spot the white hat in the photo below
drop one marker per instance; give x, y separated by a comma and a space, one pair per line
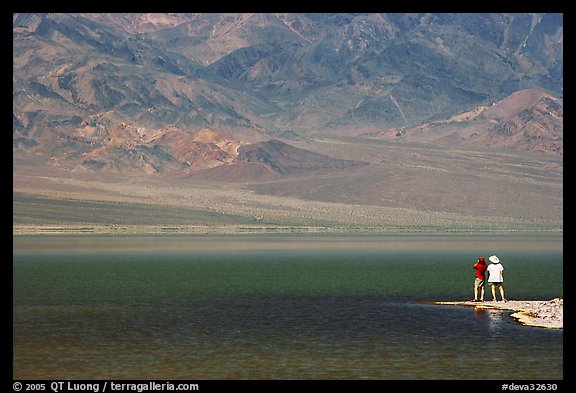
494, 259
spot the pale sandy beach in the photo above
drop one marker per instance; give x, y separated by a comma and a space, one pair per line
539, 313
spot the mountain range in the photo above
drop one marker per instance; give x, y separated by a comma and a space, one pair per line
83, 83
342, 108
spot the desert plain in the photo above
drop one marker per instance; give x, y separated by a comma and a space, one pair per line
405, 187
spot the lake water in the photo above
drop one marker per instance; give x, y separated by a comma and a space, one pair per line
277, 307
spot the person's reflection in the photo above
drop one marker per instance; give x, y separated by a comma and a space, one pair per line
495, 318
480, 313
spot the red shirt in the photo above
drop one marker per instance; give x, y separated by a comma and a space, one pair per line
481, 270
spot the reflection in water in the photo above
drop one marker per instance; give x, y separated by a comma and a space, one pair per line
480, 313
279, 242
494, 318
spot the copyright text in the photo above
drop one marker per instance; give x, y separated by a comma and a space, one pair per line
103, 386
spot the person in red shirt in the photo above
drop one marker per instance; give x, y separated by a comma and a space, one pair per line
480, 268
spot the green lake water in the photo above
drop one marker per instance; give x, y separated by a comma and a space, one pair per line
280, 307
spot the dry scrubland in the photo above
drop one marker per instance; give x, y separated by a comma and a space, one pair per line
406, 188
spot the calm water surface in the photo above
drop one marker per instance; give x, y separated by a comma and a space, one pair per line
278, 307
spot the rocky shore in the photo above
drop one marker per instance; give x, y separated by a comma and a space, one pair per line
539, 313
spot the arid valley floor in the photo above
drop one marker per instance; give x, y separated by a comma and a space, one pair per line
404, 188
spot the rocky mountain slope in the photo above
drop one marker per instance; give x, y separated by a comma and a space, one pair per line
527, 120
250, 75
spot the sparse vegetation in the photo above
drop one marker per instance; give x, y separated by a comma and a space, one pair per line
403, 189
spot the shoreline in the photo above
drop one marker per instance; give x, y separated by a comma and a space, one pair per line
537, 313
91, 229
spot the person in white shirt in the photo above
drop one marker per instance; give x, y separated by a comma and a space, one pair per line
496, 277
